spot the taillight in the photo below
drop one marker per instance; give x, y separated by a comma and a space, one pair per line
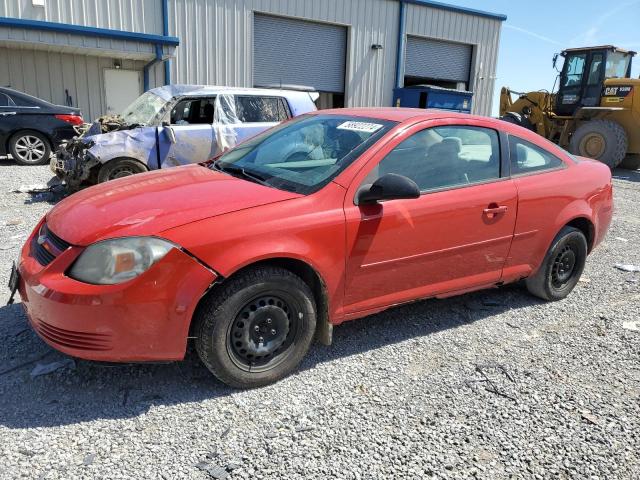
72, 119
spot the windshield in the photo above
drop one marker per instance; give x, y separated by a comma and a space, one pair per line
617, 65
306, 153
144, 109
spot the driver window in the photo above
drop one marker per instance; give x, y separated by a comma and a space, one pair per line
443, 157
193, 111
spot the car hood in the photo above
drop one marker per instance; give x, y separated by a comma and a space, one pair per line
149, 203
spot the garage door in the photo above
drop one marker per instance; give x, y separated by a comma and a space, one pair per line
437, 60
296, 52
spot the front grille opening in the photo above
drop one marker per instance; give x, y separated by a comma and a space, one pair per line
46, 246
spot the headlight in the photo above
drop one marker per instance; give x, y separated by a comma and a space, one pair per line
116, 261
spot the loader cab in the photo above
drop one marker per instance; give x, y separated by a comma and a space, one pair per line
583, 74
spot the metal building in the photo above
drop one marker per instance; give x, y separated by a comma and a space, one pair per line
100, 54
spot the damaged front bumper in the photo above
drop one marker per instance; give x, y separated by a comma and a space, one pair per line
73, 163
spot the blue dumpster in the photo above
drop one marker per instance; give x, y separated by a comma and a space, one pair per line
428, 96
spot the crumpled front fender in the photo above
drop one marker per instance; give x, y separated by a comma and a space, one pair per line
138, 143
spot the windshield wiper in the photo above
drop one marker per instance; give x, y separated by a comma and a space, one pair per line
231, 169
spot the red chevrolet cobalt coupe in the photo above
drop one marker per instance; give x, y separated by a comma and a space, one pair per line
329, 217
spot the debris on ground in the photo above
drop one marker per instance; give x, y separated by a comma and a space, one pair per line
589, 417
13, 221
215, 471
627, 267
633, 325
621, 239
47, 368
36, 188
88, 459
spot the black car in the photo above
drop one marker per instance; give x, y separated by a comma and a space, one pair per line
31, 127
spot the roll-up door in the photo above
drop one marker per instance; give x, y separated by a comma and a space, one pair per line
298, 52
438, 60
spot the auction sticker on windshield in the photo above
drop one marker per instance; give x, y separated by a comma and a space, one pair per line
359, 126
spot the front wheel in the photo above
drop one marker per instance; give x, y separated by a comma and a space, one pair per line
562, 266
119, 168
257, 328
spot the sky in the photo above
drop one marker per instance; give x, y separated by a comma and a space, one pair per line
534, 31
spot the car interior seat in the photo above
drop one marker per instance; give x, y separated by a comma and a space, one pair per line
445, 167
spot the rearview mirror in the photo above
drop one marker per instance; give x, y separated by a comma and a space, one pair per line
555, 60
389, 186
171, 135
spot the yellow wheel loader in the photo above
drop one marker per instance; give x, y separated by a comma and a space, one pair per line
593, 113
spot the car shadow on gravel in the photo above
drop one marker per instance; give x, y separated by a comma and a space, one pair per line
627, 175
97, 391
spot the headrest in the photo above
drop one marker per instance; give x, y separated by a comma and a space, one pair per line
454, 141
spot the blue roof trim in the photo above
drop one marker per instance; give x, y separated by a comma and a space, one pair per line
455, 8
90, 31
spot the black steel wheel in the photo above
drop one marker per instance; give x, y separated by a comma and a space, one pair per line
263, 331
256, 327
561, 267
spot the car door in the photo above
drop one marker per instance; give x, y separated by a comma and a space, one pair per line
455, 236
191, 126
257, 113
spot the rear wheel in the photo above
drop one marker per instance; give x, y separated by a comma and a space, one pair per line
29, 148
257, 328
561, 267
603, 140
119, 168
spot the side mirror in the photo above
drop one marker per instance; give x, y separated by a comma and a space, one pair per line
171, 135
555, 60
390, 186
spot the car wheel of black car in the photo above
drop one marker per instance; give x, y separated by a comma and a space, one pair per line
29, 148
256, 328
562, 266
118, 168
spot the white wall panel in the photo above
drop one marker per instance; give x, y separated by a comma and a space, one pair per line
142, 16
216, 41
49, 75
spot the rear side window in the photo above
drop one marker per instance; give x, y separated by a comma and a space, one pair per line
6, 101
528, 158
444, 157
254, 109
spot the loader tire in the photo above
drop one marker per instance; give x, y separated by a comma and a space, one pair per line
603, 140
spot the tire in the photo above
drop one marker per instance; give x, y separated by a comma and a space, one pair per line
29, 147
603, 140
631, 162
119, 168
264, 302
562, 266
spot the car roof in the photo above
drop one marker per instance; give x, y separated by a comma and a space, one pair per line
399, 114
169, 91
18, 94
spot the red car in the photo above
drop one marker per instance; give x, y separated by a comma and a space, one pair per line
255, 254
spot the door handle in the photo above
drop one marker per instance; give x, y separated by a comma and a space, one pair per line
494, 209
4, 114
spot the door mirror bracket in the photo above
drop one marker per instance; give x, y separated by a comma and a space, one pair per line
389, 186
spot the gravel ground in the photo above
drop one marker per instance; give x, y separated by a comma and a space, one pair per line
491, 385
